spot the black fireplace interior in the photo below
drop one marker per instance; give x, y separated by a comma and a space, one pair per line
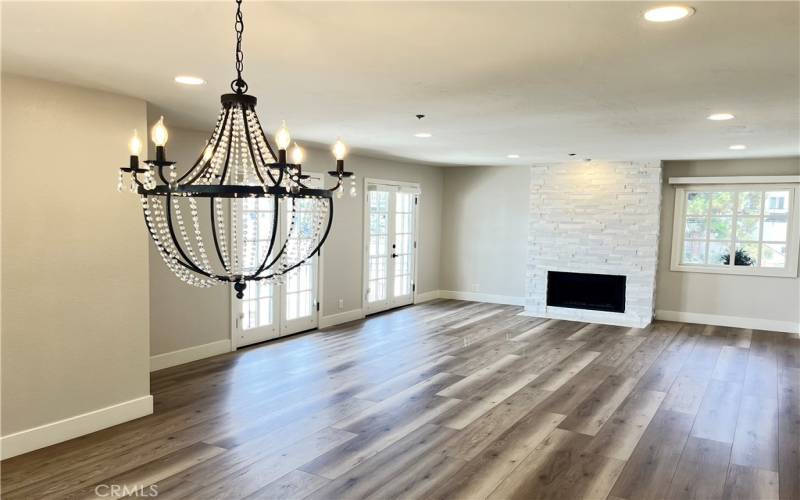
598, 292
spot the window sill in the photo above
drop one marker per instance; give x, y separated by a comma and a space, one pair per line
736, 270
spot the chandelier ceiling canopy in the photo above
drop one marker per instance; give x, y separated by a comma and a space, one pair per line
193, 219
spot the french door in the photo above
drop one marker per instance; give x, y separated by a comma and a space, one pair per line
390, 245
269, 311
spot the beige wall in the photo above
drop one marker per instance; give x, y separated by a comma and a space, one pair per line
758, 297
183, 316
74, 269
485, 230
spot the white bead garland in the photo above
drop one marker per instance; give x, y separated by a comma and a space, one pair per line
238, 145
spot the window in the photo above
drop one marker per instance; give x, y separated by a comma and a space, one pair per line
736, 229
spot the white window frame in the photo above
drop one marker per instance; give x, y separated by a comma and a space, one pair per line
792, 237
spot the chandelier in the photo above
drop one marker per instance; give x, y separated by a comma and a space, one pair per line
193, 219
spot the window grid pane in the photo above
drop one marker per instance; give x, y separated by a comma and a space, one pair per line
750, 225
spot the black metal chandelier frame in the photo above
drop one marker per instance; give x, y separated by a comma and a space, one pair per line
219, 174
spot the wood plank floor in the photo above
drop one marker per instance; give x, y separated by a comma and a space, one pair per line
456, 400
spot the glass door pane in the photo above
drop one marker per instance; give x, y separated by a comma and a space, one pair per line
378, 247
403, 246
299, 290
256, 311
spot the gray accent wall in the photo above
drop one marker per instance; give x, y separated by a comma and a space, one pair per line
75, 333
754, 297
485, 230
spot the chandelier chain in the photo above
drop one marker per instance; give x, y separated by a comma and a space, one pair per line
239, 85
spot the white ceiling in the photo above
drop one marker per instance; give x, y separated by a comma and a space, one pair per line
540, 79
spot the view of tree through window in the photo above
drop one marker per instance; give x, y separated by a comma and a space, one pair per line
752, 225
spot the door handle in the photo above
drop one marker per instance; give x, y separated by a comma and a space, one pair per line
394, 255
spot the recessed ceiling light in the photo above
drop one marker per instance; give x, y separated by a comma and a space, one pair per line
423, 135
738, 147
189, 80
720, 117
668, 13
512, 156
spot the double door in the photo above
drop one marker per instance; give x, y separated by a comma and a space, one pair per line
390, 245
268, 311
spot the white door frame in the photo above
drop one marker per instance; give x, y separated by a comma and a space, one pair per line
233, 302
365, 230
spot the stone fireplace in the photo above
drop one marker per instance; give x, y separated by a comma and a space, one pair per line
593, 241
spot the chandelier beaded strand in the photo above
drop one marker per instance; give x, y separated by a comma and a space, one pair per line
207, 247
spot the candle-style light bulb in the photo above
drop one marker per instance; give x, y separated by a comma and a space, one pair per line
297, 154
159, 133
282, 137
339, 150
135, 144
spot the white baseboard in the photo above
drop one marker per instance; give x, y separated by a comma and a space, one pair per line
181, 356
483, 297
339, 318
734, 321
419, 298
72, 427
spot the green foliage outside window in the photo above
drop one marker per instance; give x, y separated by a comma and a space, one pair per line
741, 258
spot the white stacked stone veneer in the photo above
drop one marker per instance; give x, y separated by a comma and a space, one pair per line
600, 218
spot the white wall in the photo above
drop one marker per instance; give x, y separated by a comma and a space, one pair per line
768, 300
184, 317
75, 331
485, 230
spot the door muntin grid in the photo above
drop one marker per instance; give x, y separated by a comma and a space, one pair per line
299, 292
403, 246
378, 254
258, 302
